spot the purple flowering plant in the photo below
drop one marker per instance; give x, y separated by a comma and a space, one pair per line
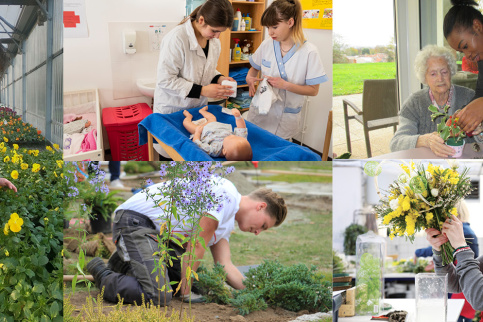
185, 197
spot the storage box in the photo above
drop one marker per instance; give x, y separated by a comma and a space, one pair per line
122, 130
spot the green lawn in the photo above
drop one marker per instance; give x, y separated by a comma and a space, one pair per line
348, 78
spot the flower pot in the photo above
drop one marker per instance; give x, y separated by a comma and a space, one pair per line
100, 225
457, 146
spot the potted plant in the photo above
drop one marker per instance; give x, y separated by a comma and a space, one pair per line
101, 205
449, 130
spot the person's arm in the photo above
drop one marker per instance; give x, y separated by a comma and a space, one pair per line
307, 90
6, 183
208, 228
252, 78
221, 254
240, 122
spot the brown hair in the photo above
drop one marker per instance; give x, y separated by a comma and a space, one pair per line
283, 10
217, 13
276, 207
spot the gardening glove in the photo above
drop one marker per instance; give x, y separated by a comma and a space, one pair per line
195, 298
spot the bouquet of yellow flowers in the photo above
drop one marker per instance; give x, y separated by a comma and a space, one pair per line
422, 197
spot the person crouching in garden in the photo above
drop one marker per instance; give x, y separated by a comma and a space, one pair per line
131, 269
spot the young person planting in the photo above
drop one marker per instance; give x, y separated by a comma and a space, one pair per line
140, 222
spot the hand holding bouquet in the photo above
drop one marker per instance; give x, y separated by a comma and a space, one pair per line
422, 197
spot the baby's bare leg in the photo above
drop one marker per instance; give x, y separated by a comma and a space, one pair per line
207, 115
188, 122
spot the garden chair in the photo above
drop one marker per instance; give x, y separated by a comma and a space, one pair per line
328, 136
379, 109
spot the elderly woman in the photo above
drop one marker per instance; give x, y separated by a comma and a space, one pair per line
434, 67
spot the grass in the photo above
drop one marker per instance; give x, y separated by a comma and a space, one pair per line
348, 78
291, 178
308, 243
286, 165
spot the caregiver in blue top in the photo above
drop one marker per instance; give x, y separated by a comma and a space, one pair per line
188, 57
291, 65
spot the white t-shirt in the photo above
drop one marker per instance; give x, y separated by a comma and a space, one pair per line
226, 216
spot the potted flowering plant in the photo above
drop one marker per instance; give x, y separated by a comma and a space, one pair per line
449, 130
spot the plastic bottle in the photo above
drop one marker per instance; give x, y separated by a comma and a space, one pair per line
236, 50
235, 24
242, 24
239, 17
248, 22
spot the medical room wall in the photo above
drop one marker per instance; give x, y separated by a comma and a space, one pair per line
88, 62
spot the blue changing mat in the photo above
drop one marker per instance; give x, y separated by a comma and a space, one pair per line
265, 145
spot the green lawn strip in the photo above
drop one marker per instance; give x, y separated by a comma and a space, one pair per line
349, 78
292, 178
286, 165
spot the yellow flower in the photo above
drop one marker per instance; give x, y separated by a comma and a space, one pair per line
15, 159
35, 167
5, 139
46, 219
7, 253
406, 205
60, 163
1, 265
429, 217
62, 252
48, 148
56, 146
453, 212
14, 174
6, 229
15, 146
2, 145
15, 222
6, 159
24, 166
4, 149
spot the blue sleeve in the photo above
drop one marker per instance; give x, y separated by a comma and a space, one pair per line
424, 252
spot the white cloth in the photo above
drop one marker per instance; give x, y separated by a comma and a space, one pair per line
226, 217
181, 64
301, 67
264, 98
214, 133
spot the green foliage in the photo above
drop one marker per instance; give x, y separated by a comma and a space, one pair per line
211, 284
447, 127
138, 167
31, 259
350, 237
368, 292
338, 264
101, 203
349, 78
293, 288
247, 301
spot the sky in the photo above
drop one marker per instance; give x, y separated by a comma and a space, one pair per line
365, 23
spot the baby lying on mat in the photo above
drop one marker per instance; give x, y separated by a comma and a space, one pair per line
217, 139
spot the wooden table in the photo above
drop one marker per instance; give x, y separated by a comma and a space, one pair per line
454, 309
427, 154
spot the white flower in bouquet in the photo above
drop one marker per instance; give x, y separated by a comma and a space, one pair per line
454, 164
428, 175
434, 192
403, 178
394, 204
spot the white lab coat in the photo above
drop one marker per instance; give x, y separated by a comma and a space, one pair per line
183, 63
301, 67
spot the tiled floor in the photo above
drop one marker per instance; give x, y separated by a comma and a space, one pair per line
379, 138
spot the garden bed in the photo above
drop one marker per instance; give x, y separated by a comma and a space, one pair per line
291, 243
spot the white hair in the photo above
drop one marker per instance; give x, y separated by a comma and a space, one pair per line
421, 61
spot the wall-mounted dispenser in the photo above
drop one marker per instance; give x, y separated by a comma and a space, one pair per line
129, 41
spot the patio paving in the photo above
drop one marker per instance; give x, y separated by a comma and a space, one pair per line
379, 138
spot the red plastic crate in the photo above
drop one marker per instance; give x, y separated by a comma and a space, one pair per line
122, 130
